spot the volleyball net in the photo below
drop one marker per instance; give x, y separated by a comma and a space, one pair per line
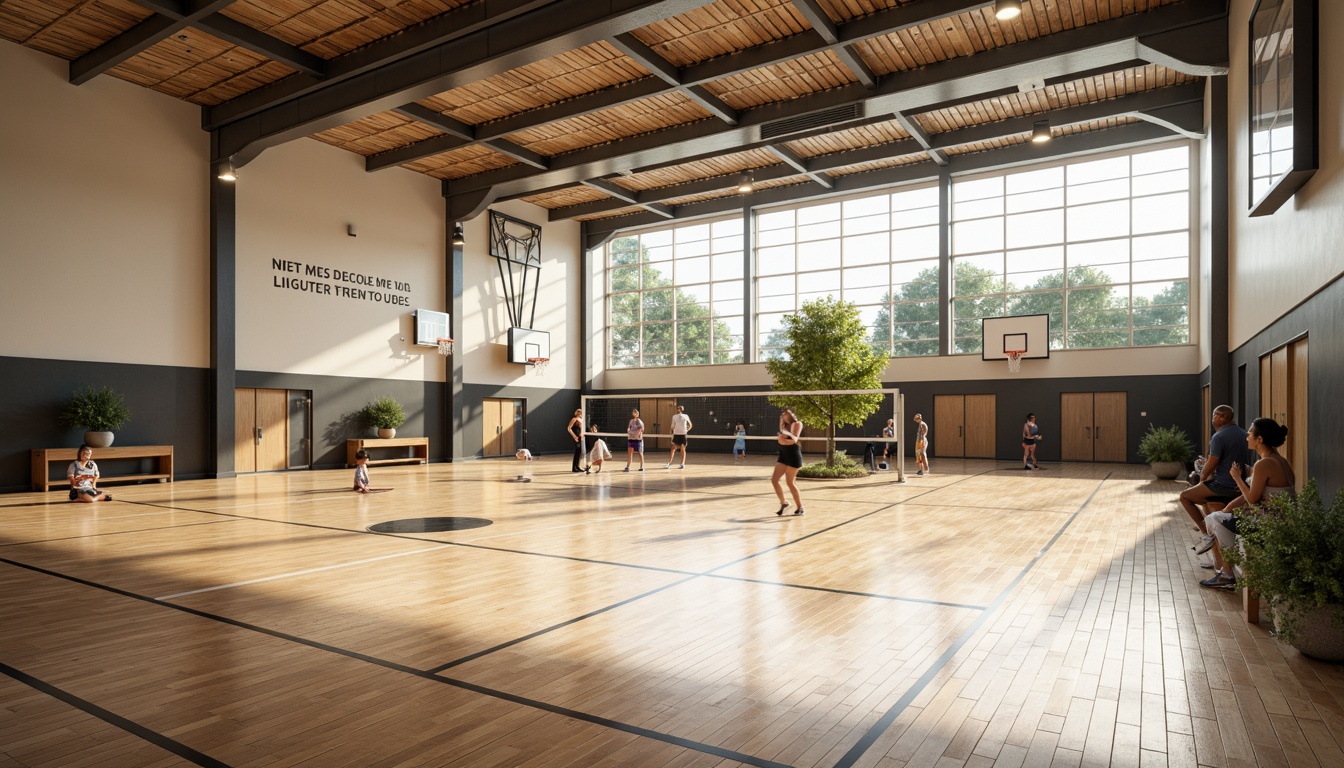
716, 416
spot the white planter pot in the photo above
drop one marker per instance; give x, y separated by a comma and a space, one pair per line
1318, 637
98, 439
1167, 470
387, 433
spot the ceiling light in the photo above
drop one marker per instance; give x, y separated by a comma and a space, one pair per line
1005, 10
459, 237
745, 186
1040, 133
226, 173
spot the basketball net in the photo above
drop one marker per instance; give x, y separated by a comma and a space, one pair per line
1014, 359
539, 364
445, 346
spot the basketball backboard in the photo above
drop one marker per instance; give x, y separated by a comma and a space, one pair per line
431, 325
525, 343
1023, 332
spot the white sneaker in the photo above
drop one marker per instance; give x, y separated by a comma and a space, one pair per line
667, 466
683, 466
1205, 544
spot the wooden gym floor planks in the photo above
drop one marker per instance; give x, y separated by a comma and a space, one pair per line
978, 616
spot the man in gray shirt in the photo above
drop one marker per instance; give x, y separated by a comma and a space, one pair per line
1227, 446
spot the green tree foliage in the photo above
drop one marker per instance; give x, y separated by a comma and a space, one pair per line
828, 349
1097, 317
668, 314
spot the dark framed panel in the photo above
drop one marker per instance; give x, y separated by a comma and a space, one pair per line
1283, 148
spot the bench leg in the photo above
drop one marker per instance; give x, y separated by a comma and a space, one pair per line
1250, 603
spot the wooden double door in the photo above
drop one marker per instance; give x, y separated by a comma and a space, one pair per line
502, 426
271, 429
1092, 426
1283, 398
964, 426
656, 413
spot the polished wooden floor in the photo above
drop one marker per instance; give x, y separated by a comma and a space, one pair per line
978, 616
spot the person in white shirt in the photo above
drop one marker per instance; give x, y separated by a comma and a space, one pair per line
598, 454
681, 424
83, 474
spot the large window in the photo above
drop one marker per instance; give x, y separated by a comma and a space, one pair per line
879, 252
1102, 246
675, 296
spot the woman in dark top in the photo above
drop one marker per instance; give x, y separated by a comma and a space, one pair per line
575, 430
790, 460
1030, 434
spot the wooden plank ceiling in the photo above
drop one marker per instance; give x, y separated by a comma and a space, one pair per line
527, 118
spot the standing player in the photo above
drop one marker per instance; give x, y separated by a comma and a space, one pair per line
740, 444
681, 424
888, 432
575, 430
634, 441
1031, 434
790, 460
921, 444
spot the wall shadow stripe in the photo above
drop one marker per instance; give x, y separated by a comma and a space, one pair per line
115, 533
871, 736
111, 718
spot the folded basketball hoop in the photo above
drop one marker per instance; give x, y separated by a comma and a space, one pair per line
538, 364
445, 346
1014, 359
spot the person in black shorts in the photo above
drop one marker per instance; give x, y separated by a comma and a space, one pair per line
790, 460
575, 430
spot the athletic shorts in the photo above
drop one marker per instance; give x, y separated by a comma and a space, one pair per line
678, 439
791, 455
1028, 441
635, 445
739, 450
1222, 492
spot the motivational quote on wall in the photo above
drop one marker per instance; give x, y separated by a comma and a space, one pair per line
325, 281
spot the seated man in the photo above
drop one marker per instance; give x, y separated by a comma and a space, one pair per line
1226, 447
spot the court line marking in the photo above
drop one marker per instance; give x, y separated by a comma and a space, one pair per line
111, 718
278, 576
871, 736
524, 701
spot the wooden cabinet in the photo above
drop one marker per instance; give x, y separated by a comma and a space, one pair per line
1092, 426
501, 426
964, 426
1283, 398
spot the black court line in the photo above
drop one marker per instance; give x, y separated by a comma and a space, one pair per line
871, 736
837, 591
115, 533
423, 674
130, 726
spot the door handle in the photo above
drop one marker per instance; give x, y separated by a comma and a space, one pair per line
258, 435
1098, 433
959, 432
1089, 432
498, 430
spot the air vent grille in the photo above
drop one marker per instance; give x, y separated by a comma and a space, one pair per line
811, 121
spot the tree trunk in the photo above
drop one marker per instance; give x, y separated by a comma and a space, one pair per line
830, 441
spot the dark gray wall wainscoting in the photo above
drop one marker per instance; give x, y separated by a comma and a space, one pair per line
338, 400
1319, 318
547, 413
169, 406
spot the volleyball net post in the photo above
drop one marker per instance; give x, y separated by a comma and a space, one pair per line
715, 416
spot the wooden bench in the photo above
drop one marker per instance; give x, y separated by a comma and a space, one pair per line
419, 449
43, 458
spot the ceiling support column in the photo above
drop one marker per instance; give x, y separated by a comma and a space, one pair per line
223, 323
1214, 306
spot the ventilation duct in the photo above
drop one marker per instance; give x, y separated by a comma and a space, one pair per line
811, 121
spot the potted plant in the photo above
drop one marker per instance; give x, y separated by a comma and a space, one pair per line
99, 411
385, 414
1293, 555
1166, 449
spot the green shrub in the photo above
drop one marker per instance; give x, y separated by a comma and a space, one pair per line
96, 410
1165, 444
843, 467
1294, 555
385, 413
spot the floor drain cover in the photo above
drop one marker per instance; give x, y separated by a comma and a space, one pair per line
430, 524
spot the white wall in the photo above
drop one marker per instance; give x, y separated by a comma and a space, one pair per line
295, 203
483, 333
1278, 261
104, 218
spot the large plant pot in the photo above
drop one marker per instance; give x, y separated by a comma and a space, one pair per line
1167, 470
98, 439
1318, 636
387, 433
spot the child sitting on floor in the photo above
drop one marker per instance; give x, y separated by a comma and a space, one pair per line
362, 474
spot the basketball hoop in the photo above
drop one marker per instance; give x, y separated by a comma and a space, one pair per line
538, 364
1014, 359
445, 346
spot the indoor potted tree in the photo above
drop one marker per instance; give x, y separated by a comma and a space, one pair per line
385, 414
1166, 449
99, 411
1293, 555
